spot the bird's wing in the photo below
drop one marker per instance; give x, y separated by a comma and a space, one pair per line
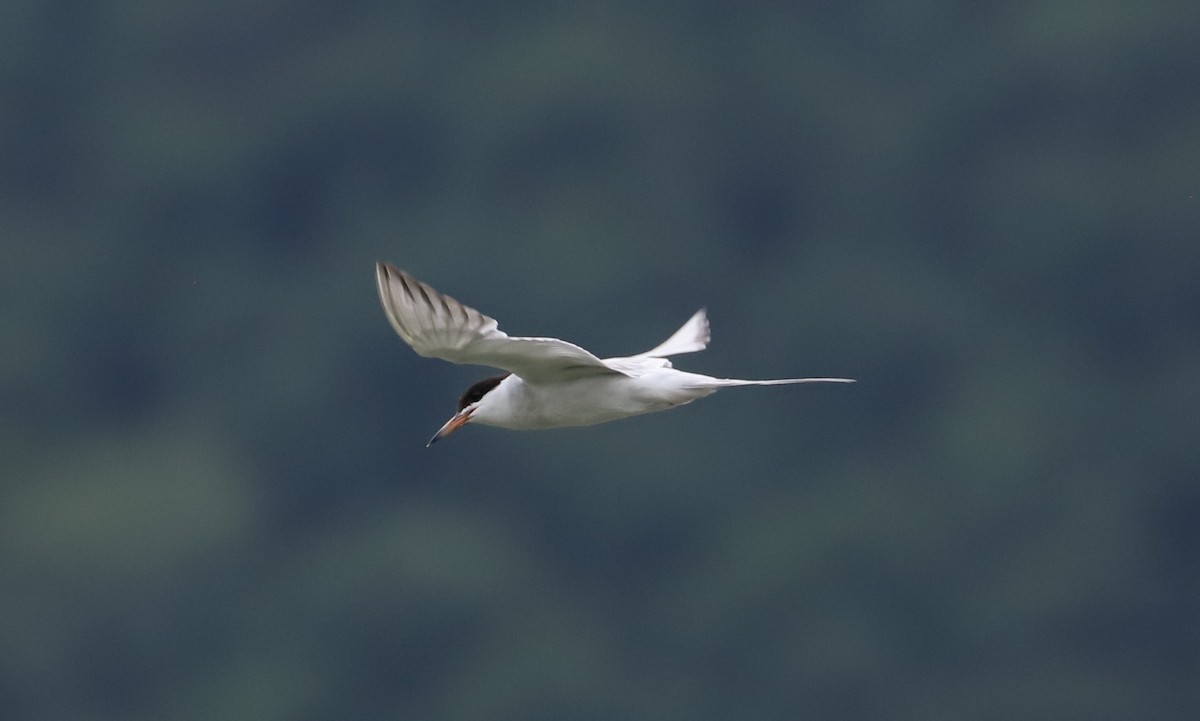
692, 336
437, 326
638, 365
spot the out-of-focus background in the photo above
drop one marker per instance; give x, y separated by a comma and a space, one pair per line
215, 499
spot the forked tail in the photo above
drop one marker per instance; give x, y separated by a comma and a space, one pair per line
726, 382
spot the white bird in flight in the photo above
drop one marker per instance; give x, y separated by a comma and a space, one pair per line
550, 383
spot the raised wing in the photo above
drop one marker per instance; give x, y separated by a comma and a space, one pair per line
692, 336
437, 326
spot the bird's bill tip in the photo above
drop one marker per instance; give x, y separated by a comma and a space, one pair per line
458, 421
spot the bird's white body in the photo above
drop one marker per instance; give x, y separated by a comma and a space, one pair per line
589, 400
551, 383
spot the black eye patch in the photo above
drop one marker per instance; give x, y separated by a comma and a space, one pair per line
479, 390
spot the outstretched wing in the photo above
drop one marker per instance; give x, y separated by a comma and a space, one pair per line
437, 326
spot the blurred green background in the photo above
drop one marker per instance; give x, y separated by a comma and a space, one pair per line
215, 499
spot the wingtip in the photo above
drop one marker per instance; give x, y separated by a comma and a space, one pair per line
706, 326
383, 272
380, 276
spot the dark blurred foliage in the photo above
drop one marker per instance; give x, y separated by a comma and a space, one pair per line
216, 502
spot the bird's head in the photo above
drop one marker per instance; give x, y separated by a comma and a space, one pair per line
471, 401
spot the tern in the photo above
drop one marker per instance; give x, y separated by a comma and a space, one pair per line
549, 383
